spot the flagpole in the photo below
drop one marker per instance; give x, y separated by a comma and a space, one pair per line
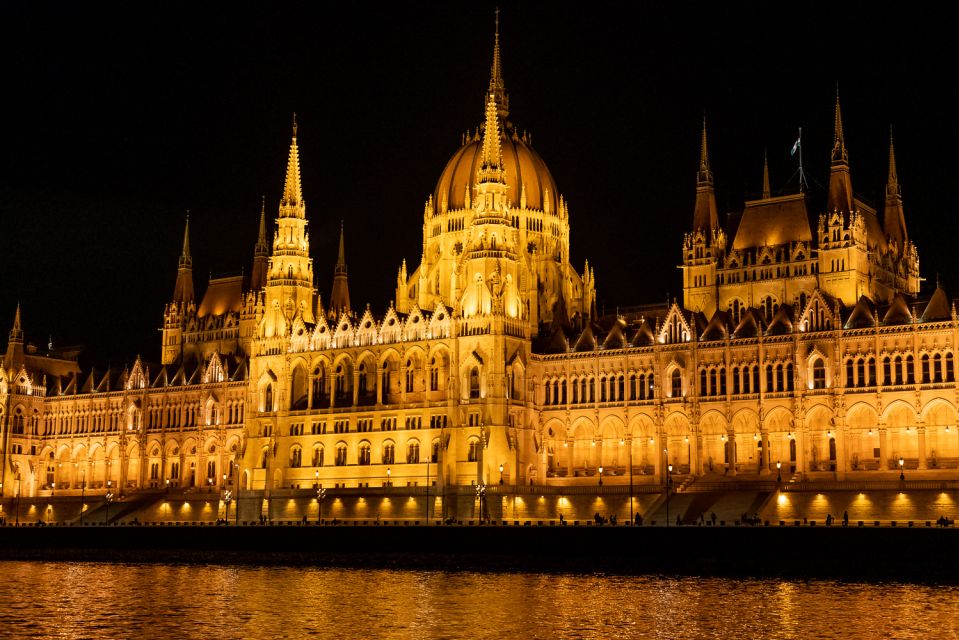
802, 174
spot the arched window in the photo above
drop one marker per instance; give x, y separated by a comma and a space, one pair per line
317, 456
18, 421
746, 379
937, 368
818, 374
340, 454
770, 379
722, 381
910, 370
780, 386
362, 380
409, 376
583, 394
650, 386
676, 380
735, 381
563, 385
713, 388
850, 377
363, 455
897, 365
268, 398
413, 452
386, 380
434, 376
472, 455
474, 383
620, 387
871, 371
702, 382
602, 389
950, 372
388, 453
296, 457
924, 368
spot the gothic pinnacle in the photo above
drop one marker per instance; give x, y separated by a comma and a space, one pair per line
766, 190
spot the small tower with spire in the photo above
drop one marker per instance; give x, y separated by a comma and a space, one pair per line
183, 290
14, 356
497, 87
706, 243
289, 279
840, 198
340, 296
766, 190
261, 254
894, 219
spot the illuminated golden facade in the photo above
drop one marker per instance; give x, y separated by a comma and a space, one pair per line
805, 349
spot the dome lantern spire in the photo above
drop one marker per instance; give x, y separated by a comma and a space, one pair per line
491, 161
497, 88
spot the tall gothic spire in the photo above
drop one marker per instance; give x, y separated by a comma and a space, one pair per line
491, 163
340, 296
894, 218
838, 141
766, 190
261, 252
13, 359
705, 216
292, 204
840, 196
497, 88
183, 290
186, 261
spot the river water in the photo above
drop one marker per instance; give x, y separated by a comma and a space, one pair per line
90, 600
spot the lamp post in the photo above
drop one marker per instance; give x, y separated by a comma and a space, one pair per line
501, 474
18, 500
109, 498
601, 476
320, 497
779, 472
389, 477
631, 516
902, 475
669, 483
227, 497
83, 493
429, 458
481, 496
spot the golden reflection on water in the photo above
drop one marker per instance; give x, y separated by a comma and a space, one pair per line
73, 600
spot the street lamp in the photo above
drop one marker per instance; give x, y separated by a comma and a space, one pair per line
669, 486
779, 472
902, 475
481, 496
631, 521
501, 474
227, 497
320, 497
600, 476
109, 498
389, 477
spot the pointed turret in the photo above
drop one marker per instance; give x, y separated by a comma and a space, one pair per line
16, 332
497, 88
292, 204
840, 181
705, 217
14, 357
183, 291
340, 297
894, 219
261, 253
766, 190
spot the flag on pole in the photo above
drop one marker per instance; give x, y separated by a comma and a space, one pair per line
795, 147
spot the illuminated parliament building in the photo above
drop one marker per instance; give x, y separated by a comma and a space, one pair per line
800, 347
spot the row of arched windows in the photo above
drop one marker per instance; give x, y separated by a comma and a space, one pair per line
364, 454
585, 390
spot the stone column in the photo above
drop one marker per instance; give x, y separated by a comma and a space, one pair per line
921, 436
731, 452
883, 450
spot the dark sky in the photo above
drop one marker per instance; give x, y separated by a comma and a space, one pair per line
118, 121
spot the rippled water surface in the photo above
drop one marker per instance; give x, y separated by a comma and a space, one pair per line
70, 600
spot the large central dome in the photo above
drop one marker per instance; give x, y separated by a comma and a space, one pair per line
524, 169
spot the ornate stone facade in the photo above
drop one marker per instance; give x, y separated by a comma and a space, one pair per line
793, 349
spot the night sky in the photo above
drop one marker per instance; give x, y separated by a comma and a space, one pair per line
116, 123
